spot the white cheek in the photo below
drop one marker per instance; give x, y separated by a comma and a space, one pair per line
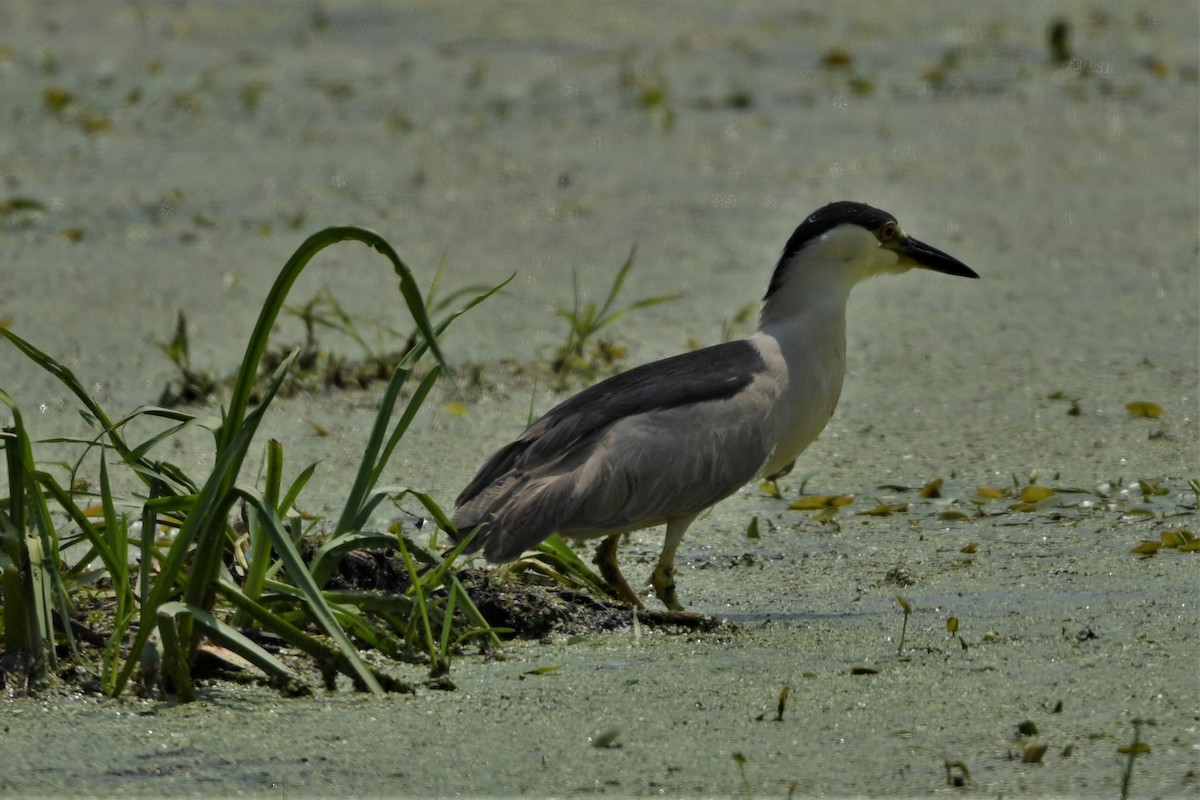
889, 261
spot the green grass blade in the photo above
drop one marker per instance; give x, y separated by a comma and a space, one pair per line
231, 638
298, 572
68, 379
257, 345
617, 283
422, 610
556, 548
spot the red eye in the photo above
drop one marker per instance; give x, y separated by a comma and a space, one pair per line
887, 232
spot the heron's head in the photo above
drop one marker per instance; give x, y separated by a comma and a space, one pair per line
843, 243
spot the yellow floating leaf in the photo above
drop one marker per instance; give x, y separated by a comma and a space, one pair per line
93, 122
1144, 408
1035, 494
953, 515
93, 510
818, 501
932, 489
970, 548
318, 429
456, 408
837, 58
56, 98
542, 670
1176, 538
1190, 547
768, 487
1137, 749
1147, 548
952, 625
1152, 487
904, 605
992, 494
1033, 754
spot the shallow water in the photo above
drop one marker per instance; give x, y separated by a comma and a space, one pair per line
514, 140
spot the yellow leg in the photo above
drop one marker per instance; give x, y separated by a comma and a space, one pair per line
663, 578
606, 560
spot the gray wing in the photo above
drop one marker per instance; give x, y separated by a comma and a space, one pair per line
661, 440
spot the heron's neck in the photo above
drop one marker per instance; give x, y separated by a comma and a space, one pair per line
815, 297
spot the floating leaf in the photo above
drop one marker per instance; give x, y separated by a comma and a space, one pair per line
1152, 487
752, 529
456, 408
837, 58
862, 671
931, 490
543, 670
1176, 538
968, 549
1146, 548
818, 501
606, 740
952, 625
1027, 728
904, 605
318, 429
56, 98
992, 494
1033, 754
896, 487
1136, 749
1036, 494
953, 515
94, 122
1144, 408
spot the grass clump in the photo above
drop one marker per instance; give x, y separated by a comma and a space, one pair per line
578, 354
314, 368
216, 560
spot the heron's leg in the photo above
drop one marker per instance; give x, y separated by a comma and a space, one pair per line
663, 578
782, 472
774, 477
606, 560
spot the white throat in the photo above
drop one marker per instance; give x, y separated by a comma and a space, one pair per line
818, 279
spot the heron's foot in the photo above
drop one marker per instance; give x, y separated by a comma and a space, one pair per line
618, 587
663, 581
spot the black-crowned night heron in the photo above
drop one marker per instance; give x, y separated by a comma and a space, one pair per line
666, 440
